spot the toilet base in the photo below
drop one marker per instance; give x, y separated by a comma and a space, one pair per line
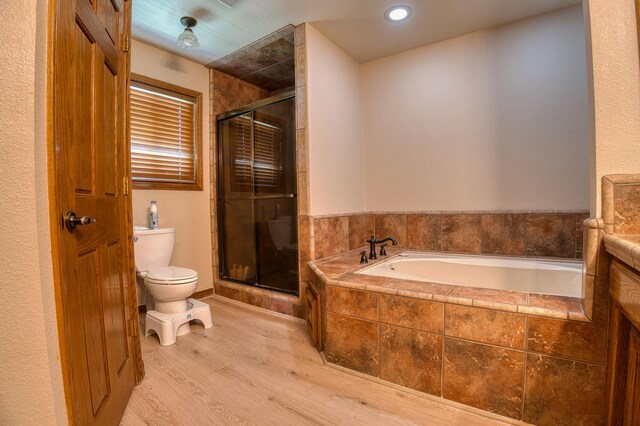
168, 326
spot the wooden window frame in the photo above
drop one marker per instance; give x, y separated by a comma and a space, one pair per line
179, 186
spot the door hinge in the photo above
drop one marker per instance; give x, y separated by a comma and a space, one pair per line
125, 185
125, 43
133, 327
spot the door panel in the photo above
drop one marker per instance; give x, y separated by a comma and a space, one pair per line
83, 113
116, 316
110, 11
90, 291
95, 262
109, 146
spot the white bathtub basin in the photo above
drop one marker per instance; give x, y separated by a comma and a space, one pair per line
560, 278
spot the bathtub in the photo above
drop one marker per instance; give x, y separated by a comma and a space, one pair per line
560, 278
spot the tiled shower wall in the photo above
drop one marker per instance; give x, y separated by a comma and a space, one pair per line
228, 93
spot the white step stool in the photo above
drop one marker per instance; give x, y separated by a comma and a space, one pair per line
166, 325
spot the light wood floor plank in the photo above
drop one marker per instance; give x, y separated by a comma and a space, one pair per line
255, 367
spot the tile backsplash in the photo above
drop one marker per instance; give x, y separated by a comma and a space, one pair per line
554, 234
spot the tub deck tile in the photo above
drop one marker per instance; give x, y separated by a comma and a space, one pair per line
364, 279
381, 289
495, 305
415, 287
456, 300
543, 312
559, 303
334, 271
490, 295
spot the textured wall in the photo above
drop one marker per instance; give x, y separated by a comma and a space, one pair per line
614, 91
30, 376
493, 120
187, 211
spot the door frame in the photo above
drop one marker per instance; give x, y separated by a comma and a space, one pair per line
57, 205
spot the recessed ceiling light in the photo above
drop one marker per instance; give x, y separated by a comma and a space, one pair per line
398, 13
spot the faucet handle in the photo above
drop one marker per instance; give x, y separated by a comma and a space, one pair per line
383, 251
363, 257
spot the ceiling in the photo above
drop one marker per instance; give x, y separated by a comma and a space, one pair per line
357, 26
268, 63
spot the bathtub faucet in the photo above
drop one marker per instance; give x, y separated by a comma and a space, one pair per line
372, 245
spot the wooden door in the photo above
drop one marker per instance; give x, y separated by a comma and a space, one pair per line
95, 281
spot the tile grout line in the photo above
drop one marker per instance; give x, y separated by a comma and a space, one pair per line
524, 379
444, 339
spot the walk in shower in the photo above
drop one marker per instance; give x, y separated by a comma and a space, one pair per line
257, 209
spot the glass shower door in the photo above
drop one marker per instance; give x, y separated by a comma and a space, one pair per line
257, 197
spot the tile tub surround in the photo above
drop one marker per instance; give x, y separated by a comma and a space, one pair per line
620, 201
547, 234
504, 352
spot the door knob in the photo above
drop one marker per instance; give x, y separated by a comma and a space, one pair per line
71, 220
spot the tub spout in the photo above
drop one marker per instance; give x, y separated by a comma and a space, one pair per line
393, 241
372, 245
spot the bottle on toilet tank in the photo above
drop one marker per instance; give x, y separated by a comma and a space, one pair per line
153, 215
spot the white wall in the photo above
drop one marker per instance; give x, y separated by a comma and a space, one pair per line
493, 120
614, 91
187, 211
334, 106
30, 376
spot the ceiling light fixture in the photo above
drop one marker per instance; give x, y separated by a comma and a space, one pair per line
188, 39
398, 13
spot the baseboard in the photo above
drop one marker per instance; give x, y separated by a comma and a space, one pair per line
203, 293
142, 309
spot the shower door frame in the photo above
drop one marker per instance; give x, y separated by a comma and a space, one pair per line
220, 193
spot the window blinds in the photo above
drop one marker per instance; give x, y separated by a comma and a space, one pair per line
163, 135
267, 156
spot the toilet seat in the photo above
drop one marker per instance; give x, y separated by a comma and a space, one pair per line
170, 282
170, 275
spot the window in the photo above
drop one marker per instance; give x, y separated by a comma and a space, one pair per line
268, 154
166, 135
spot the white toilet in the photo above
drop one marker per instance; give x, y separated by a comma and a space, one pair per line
170, 311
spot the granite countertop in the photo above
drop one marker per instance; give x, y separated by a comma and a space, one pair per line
624, 247
341, 270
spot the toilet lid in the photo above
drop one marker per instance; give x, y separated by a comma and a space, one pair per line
171, 273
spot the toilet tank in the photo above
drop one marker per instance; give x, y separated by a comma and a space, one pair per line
152, 247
